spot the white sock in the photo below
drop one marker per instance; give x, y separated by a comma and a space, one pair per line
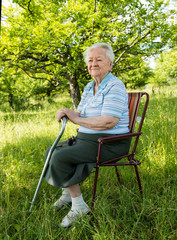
79, 205
65, 195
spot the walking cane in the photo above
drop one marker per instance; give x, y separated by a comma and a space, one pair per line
47, 160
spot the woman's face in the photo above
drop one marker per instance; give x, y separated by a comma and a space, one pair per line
99, 64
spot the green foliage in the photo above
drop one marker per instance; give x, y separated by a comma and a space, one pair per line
166, 68
137, 78
119, 212
14, 88
46, 39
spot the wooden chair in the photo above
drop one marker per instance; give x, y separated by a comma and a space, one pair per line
133, 103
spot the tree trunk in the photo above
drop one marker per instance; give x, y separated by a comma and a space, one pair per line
75, 92
10, 100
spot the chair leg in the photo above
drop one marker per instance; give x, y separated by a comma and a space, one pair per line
94, 188
118, 176
138, 179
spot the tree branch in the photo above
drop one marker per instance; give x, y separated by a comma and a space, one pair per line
127, 68
31, 75
132, 45
29, 7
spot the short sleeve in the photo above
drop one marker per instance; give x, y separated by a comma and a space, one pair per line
84, 96
115, 101
81, 104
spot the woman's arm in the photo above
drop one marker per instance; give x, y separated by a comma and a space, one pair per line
96, 123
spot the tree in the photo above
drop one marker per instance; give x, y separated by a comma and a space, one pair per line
46, 39
15, 88
138, 77
166, 68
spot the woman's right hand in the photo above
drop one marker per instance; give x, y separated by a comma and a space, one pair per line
60, 114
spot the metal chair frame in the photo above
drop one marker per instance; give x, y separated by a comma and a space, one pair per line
134, 100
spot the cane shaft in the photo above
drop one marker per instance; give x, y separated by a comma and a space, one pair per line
47, 161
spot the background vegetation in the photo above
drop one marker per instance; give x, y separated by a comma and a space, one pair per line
119, 213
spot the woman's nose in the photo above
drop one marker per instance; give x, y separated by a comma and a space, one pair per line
95, 62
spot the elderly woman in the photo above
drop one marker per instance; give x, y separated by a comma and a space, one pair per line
103, 111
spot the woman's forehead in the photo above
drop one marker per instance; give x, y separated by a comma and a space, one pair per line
97, 52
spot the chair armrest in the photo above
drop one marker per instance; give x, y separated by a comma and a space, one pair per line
118, 137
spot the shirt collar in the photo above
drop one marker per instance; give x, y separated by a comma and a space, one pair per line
105, 81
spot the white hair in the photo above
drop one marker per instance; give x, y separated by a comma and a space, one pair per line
109, 51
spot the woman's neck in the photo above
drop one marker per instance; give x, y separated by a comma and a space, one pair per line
97, 81
95, 89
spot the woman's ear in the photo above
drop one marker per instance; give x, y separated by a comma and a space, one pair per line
110, 66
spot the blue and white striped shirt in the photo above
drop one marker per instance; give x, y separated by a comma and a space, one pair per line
110, 99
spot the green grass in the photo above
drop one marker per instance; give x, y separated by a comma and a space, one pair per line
119, 212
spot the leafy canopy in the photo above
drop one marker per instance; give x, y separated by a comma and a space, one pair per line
45, 40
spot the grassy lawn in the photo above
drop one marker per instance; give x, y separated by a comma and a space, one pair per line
119, 212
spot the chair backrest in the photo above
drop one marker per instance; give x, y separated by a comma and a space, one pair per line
134, 99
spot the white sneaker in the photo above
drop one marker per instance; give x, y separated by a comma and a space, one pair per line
72, 217
60, 203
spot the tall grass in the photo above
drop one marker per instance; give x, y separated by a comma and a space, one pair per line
119, 212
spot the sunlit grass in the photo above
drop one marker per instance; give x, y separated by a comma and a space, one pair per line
119, 212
